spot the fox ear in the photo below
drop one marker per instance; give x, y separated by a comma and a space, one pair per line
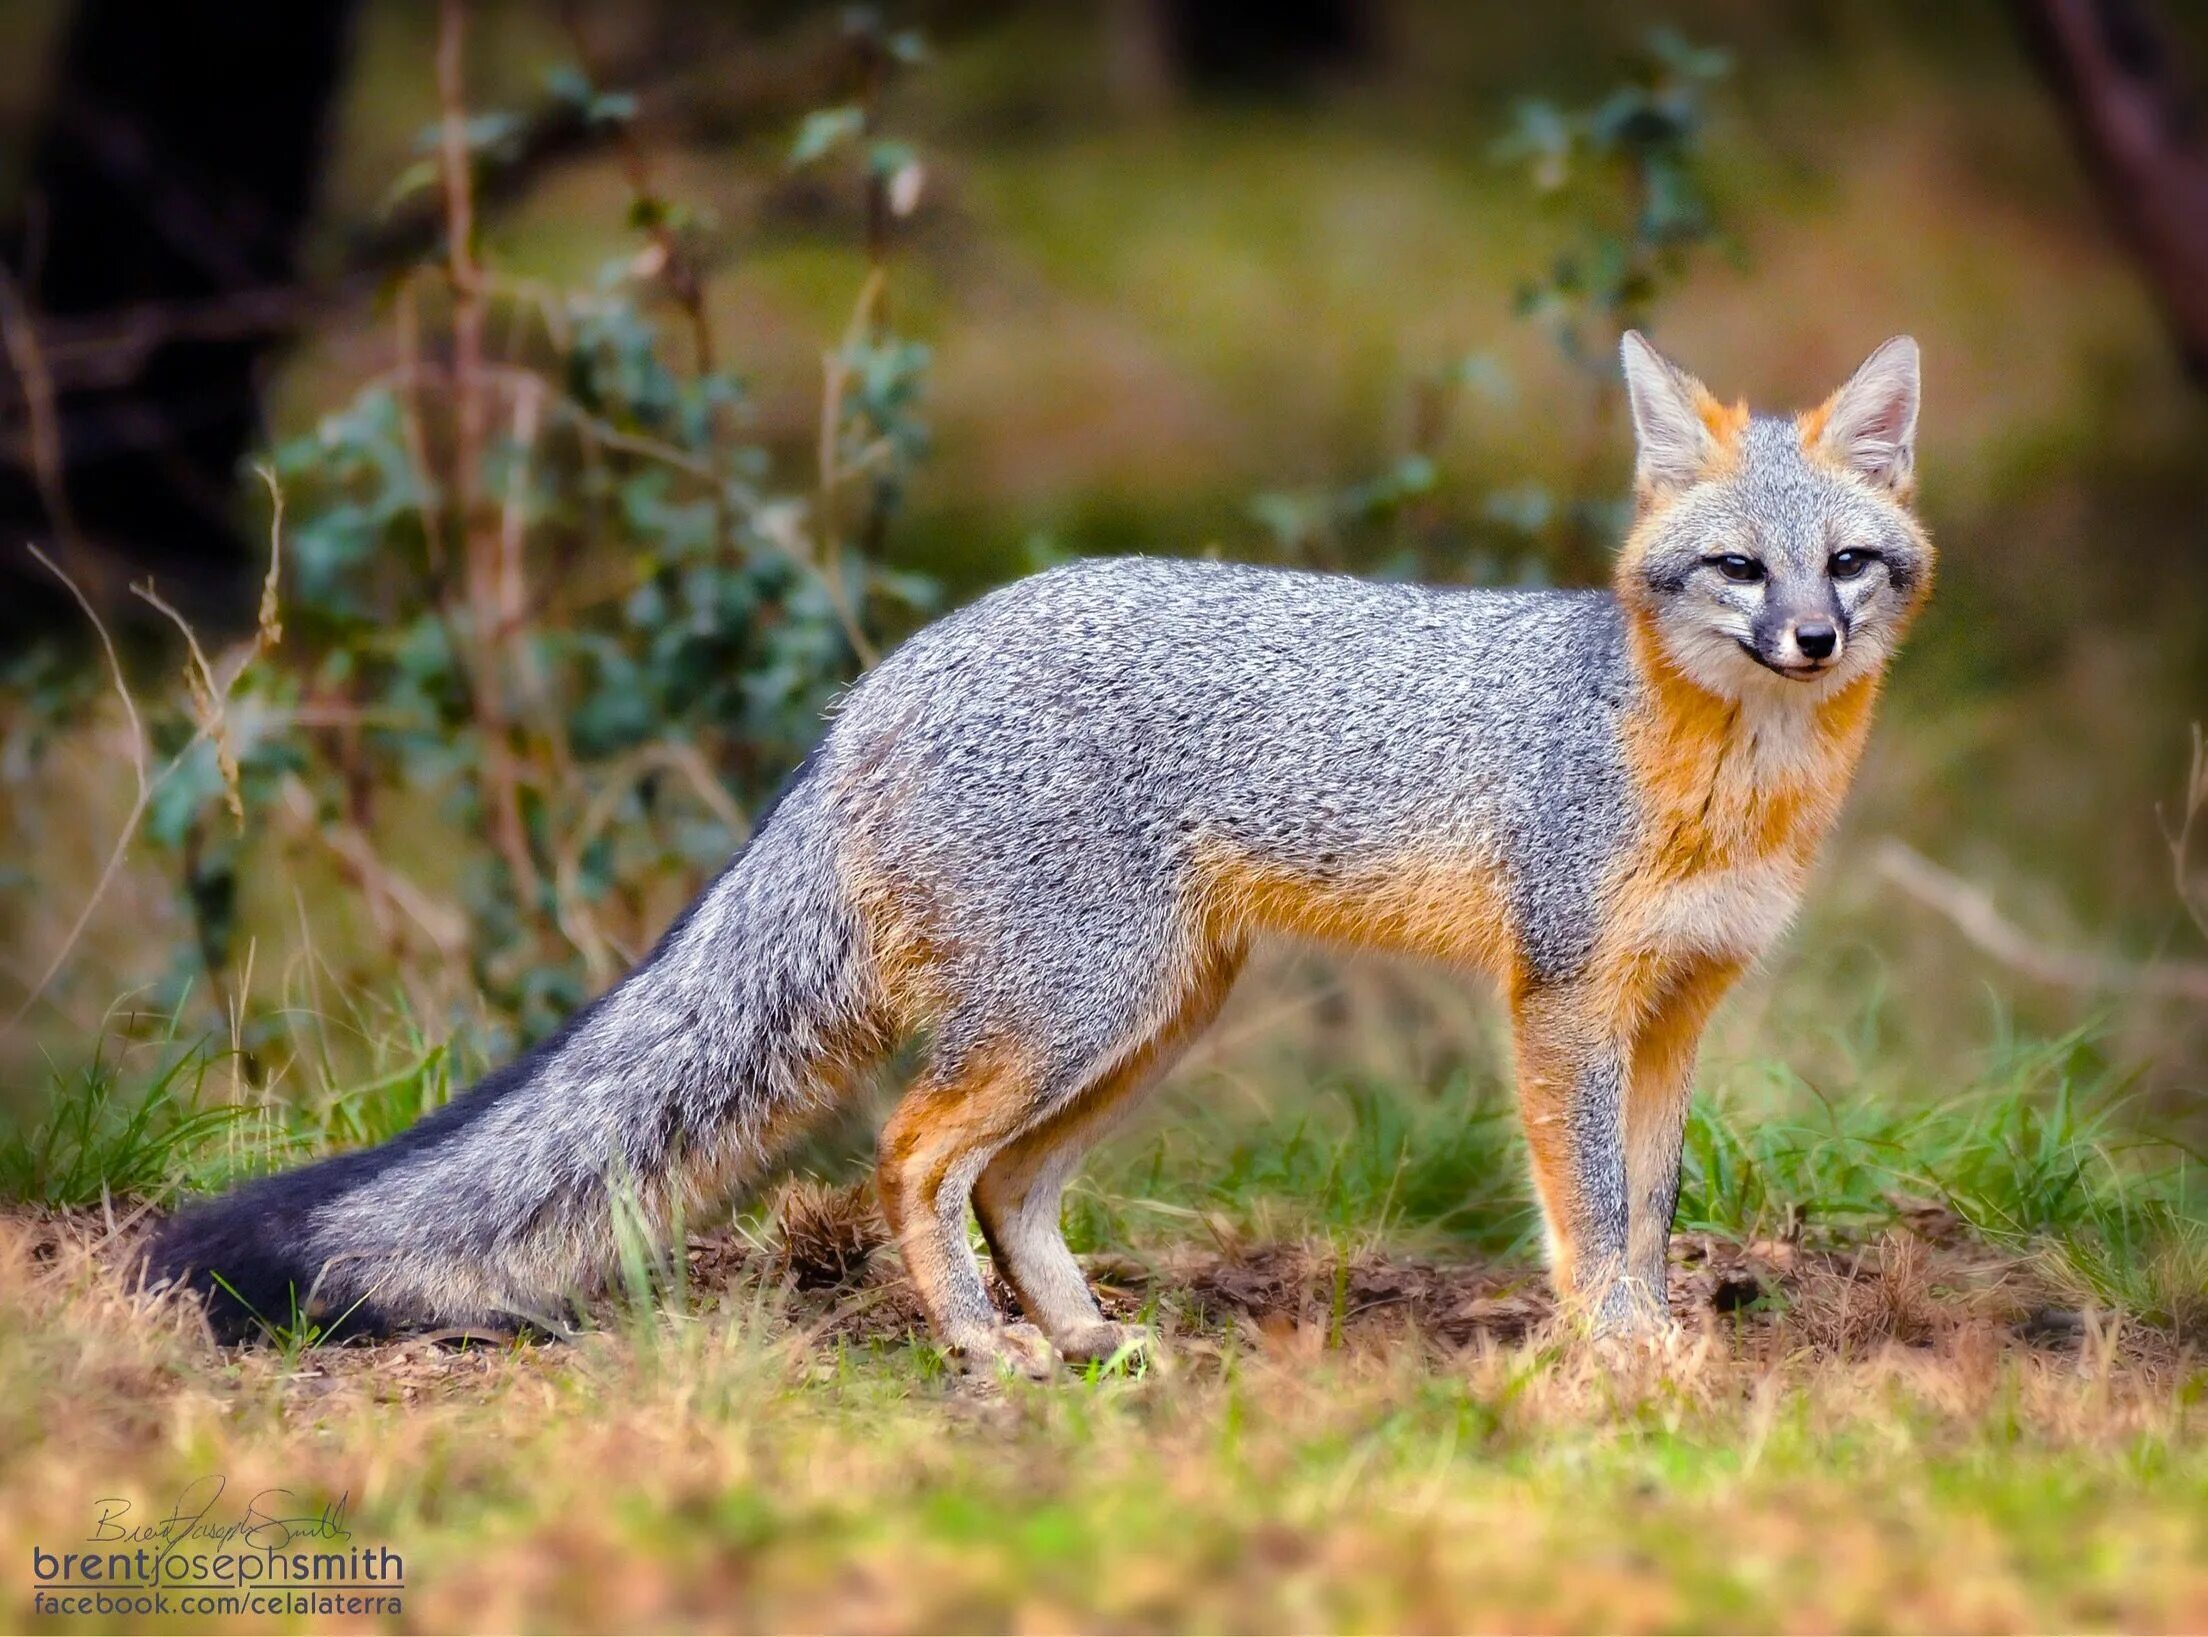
1675, 441
1870, 425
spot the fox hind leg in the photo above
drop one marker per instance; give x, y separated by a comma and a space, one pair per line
934, 1147
1017, 1200
1022, 1083
1018, 1196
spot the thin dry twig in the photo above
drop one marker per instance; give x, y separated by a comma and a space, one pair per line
19, 335
576, 918
2180, 838
1970, 909
147, 783
826, 561
114, 668
207, 697
210, 700
268, 620
209, 694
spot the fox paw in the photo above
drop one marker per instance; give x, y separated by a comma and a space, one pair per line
1007, 1349
1627, 1321
1103, 1341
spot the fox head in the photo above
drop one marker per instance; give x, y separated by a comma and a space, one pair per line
1774, 551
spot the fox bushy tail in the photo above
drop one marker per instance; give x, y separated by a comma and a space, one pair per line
671, 1088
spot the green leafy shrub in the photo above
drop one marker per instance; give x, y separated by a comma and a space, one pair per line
1626, 174
547, 621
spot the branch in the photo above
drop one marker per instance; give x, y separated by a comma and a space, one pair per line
357, 857
2142, 133
570, 907
709, 80
109, 348
1970, 909
46, 450
476, 537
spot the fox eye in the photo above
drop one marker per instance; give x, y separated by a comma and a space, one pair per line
1846, 565
1744, 570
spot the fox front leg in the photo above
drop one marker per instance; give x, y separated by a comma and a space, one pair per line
1661, 1082
1574, 1076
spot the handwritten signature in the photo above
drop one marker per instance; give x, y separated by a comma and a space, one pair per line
271, 1520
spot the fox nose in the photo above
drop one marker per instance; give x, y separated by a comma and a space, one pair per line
1816, 638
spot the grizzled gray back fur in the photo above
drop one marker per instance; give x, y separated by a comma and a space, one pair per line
1054, 760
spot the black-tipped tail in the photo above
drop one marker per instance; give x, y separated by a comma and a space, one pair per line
255, 1259
495, 1210
246, 1257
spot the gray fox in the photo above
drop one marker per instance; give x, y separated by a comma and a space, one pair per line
1045, 832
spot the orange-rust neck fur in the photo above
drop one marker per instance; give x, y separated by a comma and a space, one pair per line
1731, 782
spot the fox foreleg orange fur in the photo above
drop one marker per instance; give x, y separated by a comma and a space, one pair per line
1043, 834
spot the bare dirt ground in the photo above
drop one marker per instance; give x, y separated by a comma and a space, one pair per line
1927, 1285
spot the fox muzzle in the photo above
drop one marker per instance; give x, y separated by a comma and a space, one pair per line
1798, 644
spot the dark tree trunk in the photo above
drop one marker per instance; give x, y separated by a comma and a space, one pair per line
1263, 47
154, 268
2143, 132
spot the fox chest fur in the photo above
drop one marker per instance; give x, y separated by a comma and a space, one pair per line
1733, 798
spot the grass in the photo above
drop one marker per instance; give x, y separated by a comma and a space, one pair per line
1356, 1161
720, 1464
97, 1139
143, 1120
1873, 1420
2040, 1155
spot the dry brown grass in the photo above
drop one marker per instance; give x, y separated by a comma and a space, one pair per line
1899, 1437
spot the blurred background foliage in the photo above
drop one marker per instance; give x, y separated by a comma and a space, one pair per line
630, 377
